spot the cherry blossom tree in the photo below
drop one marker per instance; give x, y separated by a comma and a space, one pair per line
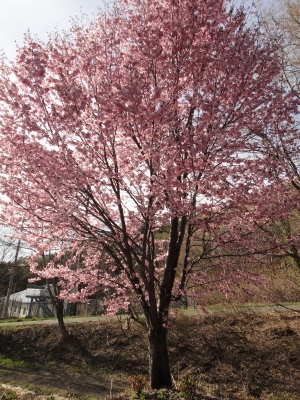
147, 144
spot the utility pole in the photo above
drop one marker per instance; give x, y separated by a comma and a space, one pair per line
11, 281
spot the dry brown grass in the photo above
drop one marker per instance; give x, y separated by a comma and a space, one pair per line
231, 355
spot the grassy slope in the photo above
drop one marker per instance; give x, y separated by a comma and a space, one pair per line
231, 356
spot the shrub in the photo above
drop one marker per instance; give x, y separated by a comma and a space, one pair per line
138, 383
9, 395
187, 388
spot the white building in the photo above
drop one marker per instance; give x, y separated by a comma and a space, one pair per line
32, 302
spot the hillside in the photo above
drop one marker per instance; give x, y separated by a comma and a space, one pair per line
231, 356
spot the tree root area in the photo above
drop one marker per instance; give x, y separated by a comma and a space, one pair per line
235, 355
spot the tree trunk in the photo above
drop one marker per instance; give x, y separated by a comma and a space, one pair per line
160, 375
60, 318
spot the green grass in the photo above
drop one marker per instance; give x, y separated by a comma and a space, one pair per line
236, 306
40, 390
17, 363
24, 320
9, 395
9, 320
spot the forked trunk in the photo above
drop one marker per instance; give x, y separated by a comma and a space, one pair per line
60, 318
160, 375
59, 306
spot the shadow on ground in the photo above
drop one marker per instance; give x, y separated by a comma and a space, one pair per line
238, 355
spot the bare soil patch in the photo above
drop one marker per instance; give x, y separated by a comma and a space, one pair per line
231, 356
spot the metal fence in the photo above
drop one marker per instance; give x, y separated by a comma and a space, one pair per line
43, 308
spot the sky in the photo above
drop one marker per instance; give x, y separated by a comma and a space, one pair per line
40, 17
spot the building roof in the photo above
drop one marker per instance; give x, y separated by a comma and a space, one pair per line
20, 296
26, 295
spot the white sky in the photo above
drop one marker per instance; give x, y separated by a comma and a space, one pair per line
40, 17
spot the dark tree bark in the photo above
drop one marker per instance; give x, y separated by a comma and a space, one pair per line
59, 306
295, 255
159, 366
60, 318
158, 311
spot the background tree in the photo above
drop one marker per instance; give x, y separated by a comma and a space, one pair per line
281, 24
154, 115
14, 271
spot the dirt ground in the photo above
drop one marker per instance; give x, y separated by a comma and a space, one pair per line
231, 356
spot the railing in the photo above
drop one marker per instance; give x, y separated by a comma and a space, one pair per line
36, 291
37, 308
